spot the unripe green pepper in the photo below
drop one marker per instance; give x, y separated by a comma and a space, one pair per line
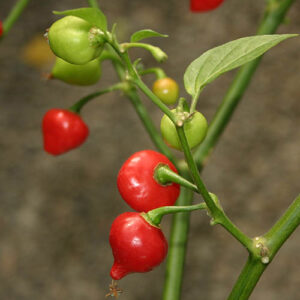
86, 74
74, 40
195, 129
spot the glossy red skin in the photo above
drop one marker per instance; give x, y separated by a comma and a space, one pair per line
137, 246
137, 185
63, 130
204, 5
1, 28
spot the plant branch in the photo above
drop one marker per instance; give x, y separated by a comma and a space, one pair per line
143, 115
154, 99
134, 76
13, 16
177, 248
148, 124
274, 239
83, 101
247, 279
164, 175
156, 52
108, 55
272, 19
159, 72
139, 83
283, 228
216, 212
157, 214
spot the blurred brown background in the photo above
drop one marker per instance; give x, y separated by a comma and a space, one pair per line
55, 212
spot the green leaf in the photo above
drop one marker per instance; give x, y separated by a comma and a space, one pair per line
221, 59
92, 15
146, 33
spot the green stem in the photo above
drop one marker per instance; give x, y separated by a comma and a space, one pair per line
143, 114
164, 175
182, 106
93, 3
273, 17
157, 214
217, 213
283, 228
109, 55
159, 73
214, 210
179, 234
136, 102
154, 99
180, 226
13, 16
247, 279
148, 124
274, 239
279, 233
156, 52
177, 248
194, 102
137, 80
83, 101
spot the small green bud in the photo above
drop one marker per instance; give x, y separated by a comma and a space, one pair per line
158, 54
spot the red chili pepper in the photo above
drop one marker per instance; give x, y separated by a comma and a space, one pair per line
137, 185
1, 28
63, 130
137, 246
204, 5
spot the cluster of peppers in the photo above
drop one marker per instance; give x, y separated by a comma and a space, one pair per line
137, 242
80, 63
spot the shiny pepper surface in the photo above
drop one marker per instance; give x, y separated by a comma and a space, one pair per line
137, 246
63, 130
137, 185
204, 5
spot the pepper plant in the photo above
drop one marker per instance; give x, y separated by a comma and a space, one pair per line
150, 181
